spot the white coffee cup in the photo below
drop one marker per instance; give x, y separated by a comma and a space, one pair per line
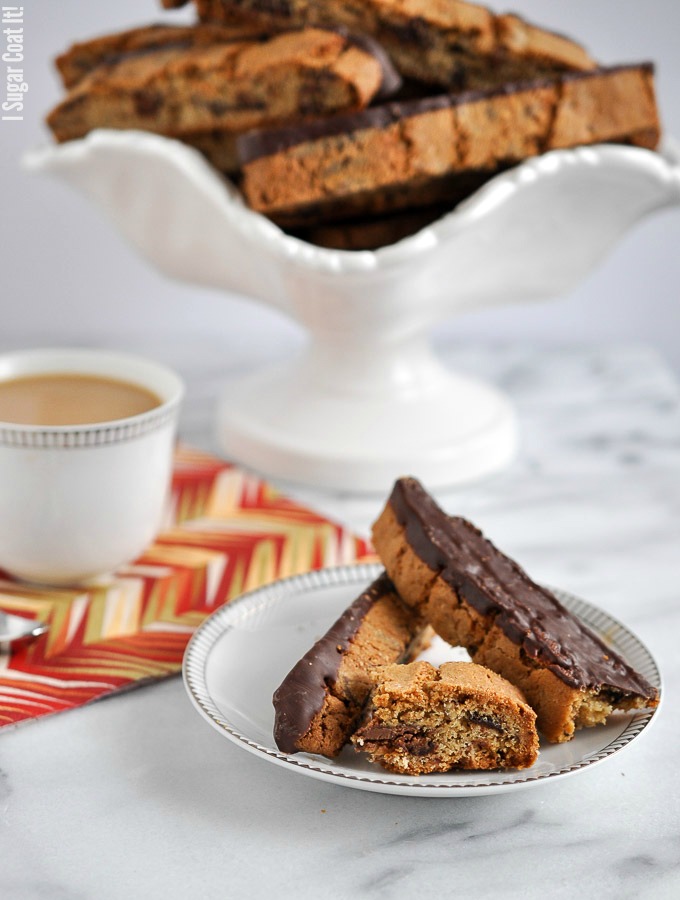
77, 501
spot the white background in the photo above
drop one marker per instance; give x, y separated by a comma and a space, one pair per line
67, 277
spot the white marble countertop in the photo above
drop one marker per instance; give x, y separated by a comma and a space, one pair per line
137, 797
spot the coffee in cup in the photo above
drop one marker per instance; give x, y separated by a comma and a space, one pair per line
86, 449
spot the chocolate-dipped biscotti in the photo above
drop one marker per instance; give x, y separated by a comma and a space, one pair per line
84, 56
208, 81
460, 716
320, 701
476, 597
455, 44
431, 150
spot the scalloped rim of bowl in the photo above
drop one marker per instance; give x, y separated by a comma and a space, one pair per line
663, 164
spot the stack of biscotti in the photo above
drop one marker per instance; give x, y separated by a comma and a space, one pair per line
206, 84
476, 597
511, 91
354, 124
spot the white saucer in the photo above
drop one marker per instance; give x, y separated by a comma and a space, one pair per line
240, 655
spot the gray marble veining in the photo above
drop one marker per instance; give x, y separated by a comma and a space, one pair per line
136, 797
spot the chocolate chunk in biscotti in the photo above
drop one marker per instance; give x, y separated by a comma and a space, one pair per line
455, 44
389, 154
460, 716
233, 85
476, 597
318, 704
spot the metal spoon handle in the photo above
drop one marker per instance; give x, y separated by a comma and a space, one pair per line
17, 628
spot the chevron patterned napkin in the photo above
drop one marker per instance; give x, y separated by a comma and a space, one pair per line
227, 532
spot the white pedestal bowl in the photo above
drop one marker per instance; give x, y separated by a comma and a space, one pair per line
368, 400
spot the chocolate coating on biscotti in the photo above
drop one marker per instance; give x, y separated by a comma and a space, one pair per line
391, 79
301, 694
314, 682
267, 142
494, 585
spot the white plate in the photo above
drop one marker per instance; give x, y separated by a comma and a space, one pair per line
240, 655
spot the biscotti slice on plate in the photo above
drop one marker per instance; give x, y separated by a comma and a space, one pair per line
234, 86
460, 716
395, 154
455, 44
84, 56
320, 701
476, 597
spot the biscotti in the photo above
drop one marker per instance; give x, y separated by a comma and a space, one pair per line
233, 86
460, 716
382, 158
476, 597
318, 704
84, 56
455, 44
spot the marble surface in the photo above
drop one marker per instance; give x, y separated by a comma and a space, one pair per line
136, 796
